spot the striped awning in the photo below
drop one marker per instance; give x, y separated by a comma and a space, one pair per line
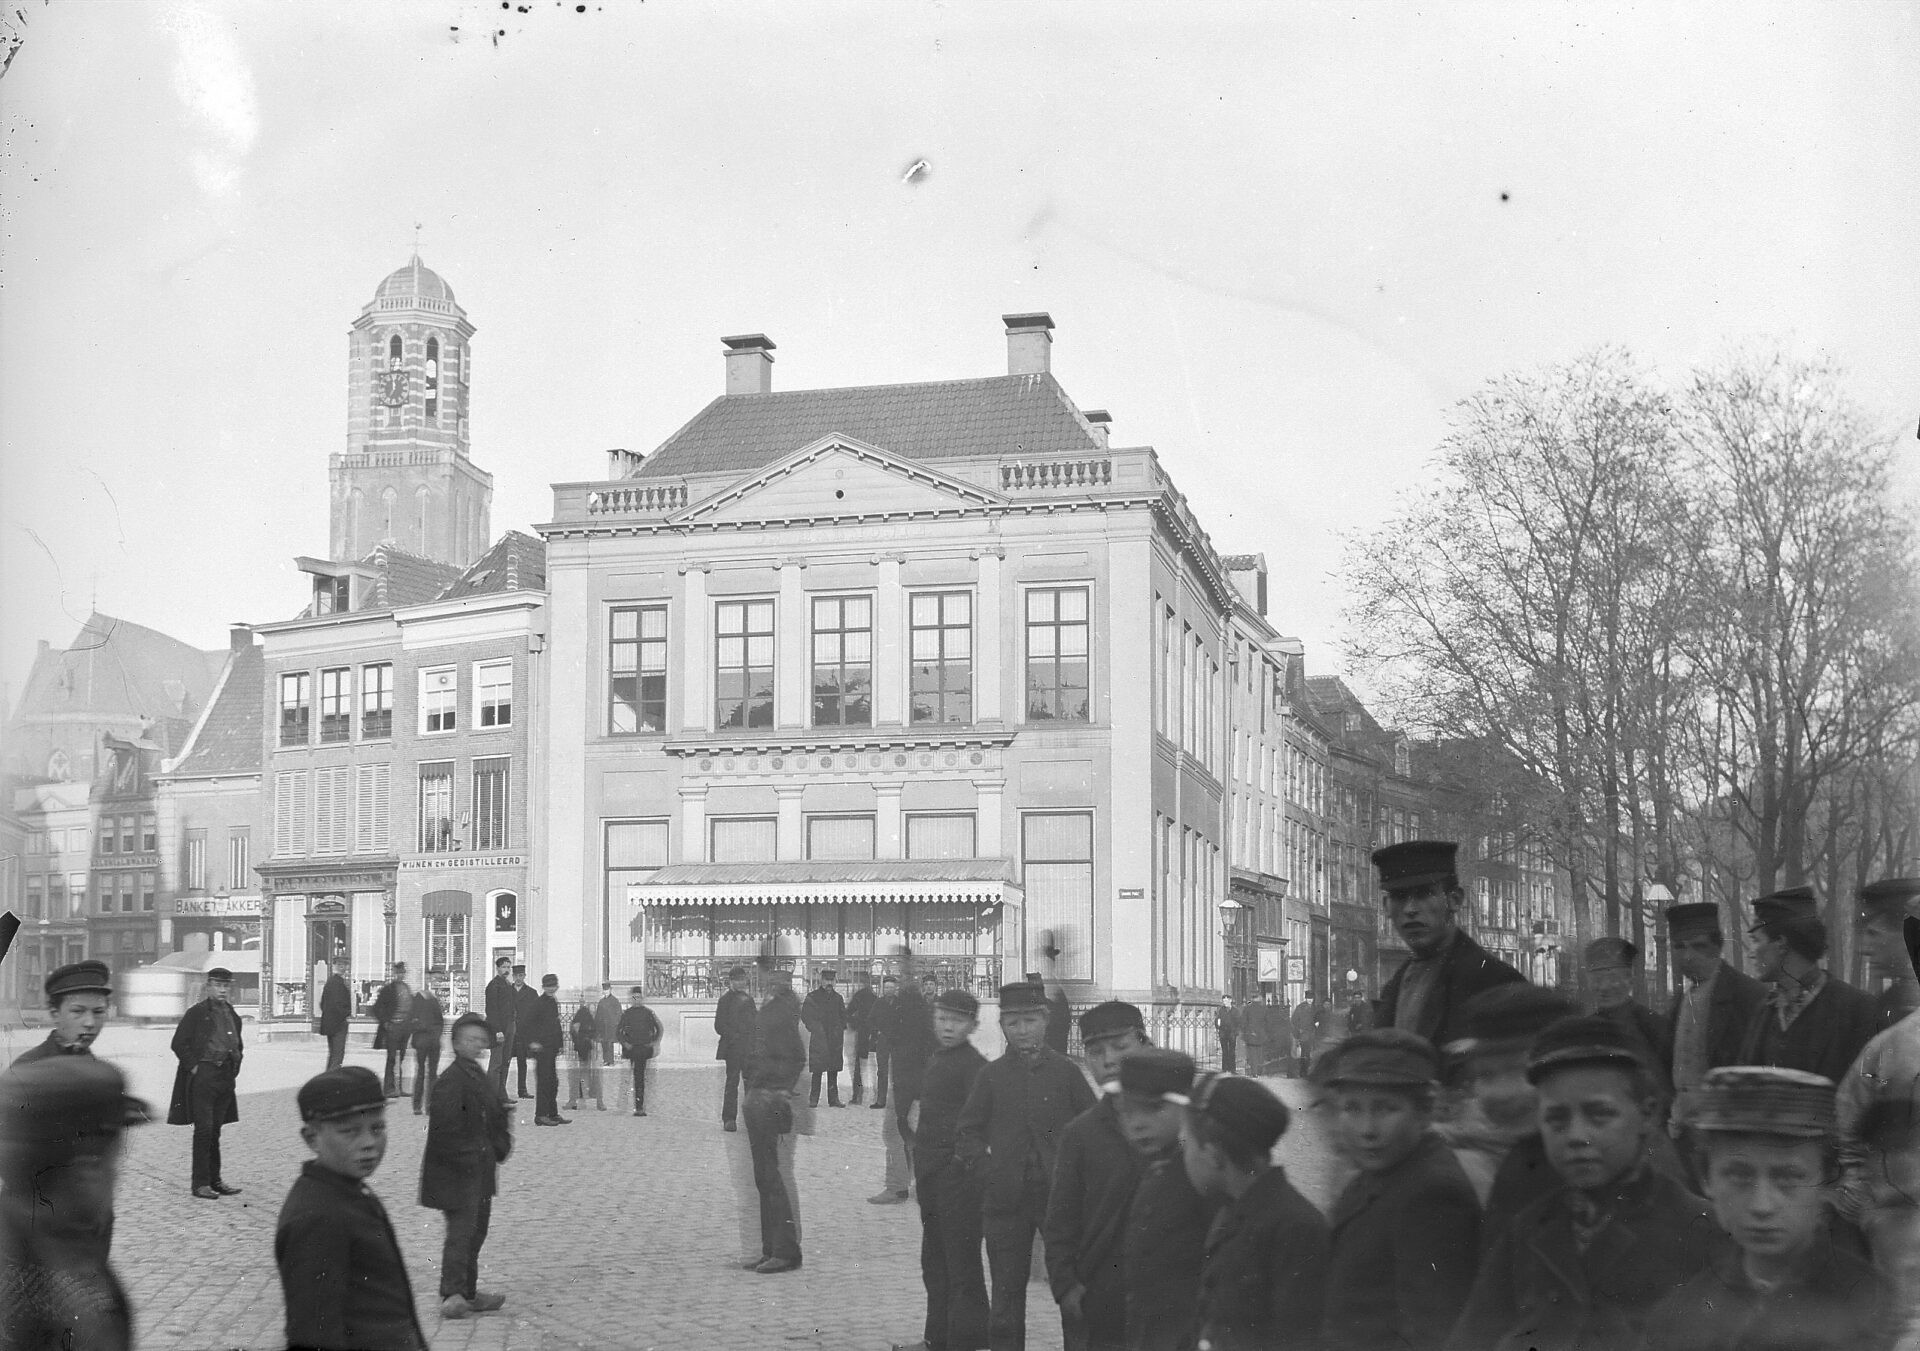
976, 882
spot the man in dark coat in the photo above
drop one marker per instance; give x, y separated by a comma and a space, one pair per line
1008, 1138
639, 1034
1709, 1019
503, 1016
949, 1199
910, 1046
336, 1009
774, 1065
526, 1008
825, 1014
469, 1135
545, 1036
733, 1023
393, 1029
1428, 995
1303, 1027
1226, 1025
860, 1022
1811, 1021
882, 1017
209, 1047
606, 1022
429, 1026
77, 997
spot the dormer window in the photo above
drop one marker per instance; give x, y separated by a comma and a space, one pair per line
433, 378
330, 595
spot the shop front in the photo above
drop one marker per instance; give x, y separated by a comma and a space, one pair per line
455, 915
215, 923
321, 920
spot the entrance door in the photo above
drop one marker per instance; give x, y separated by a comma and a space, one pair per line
326, 942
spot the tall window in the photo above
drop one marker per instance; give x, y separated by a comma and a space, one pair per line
842, 661
196, 869
129, 825
296, 707
149, 833
108, 836
637, 670
146, 892
446, 943
292, 810
946, 835
493, 694
123, 884
436, 807
433, 378
239, 858
36, 891
1057, 854
940, 634
376, 701
743, 839
1057, 687
743, 664
840, 837
490, 783
372, 788
336, 704
439, 697
635, 850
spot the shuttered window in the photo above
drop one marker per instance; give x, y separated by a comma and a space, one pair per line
840, 837
1057, 851
490, 788
436, 808
744, 839
369, 936
290, 939
332, 809
292, 805
371, 809
940, 836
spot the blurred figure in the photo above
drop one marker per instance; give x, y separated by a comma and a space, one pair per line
775, 1064
606, 1022
336, 1010
1163, 1243
883, 1013
1359, 1013
825, 1014
639, 1032
1303, 1024
503, 1016
77, 997
209, 1047
526, 1011
1609, 964
1278, 1021
1253, 1031
860, 1025
429, 1026
544, 1037
469, 1135
583, 1071
1495, 1137
1708, 1020
393, 1029
733, 1023
1226, 1024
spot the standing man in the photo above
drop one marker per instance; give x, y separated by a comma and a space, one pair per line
911, 1041
639, 1033
606, 1022
1302, 1027
1008, 1138
860, 1019
503, 1016
1708, 1020
543, 1040
77, 996
883, 1013
1253, 1031
1278, 1023
583, 1074
774, 1066
469, 1135
1810, 1021
1428, 995
1227, 1023
393, 1020
209, 1047
733, 1020
429, 1025
336, 1008
825, 1014
526, 1008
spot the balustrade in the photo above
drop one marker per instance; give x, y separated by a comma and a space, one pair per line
1027, 475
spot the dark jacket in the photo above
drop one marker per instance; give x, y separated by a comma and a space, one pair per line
542, 1026
1735, 996
336, 1004
1842, 1305
1405, 1246
582, 1034
860, 1019
825, 1014
1059, 1022
776, 1057
910, 1041
606, 1020
1263, 1284
1647, 1030
1226, 1021
503, 1010
386, 1004
1825, 1039
943, 1094
429, 1021
341, 1272
638, 1033
1538, 1292
1465, 970
1526, 1175
188, 1040
1094, 1175
1019, 1106
1163, 1246
48, 1049
526, 1011
469, 1135
733, 1019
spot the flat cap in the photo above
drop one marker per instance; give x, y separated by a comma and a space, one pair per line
1031, 977
549, 981
958, 1001
1606, 954
1762, 1100
472, 1020
1694, 917
1380, 1057
737, 973
1022, 995
1890, 898
1508, 1017
1786, 907
88, 977
783, 974
341, 1092
827, 974
1244, 1108
519, 968
1110, 1019
1158, 1072
219, 973
65, 1100
1582, 1040
1415, 863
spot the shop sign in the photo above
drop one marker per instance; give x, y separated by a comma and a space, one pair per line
463, 863
1296, 970
218, 905
1270, 960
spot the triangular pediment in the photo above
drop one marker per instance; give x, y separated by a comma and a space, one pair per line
834, 477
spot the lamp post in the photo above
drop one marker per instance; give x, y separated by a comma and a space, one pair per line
1657, 895
1231, 912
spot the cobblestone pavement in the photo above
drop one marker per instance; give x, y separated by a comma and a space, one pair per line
614, 1232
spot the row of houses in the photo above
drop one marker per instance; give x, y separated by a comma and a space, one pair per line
827, 674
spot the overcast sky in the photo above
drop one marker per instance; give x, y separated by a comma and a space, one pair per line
1278, 241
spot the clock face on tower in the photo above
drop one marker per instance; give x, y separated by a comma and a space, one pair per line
393, 386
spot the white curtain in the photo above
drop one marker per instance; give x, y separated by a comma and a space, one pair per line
289, 940
369, 936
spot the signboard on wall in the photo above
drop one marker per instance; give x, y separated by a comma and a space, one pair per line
1270, 960
1296, 970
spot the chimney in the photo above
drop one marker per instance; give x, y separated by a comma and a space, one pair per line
1102, 423
239, 637
1029, 338
749, 363
625, 463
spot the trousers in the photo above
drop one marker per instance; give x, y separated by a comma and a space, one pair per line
394, 1080
730, 1095
336, 1048
209, 1096
833, 1087
583, 1081
1227, 1060
899, 1168
1009, 1231
779, 1237
950, 1236
520, 1057
546, 1079
460, 1252
640, 1082
498, 1058
426, 1068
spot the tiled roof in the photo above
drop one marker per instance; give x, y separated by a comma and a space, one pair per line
227, 741
516, 563
820, 870
406, 579
117, 668
946, 419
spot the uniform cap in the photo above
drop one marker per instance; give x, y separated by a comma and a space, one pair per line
341, 1092
737, 973
1031, 977
1784, 907
1158, 1072
1610, 954
960, 1002
519, 968
471, 1020
1508, 1017
1110, 1019
1412, 864
1890, 898
549, 981
1022, 995
827, 974
1244, 1108
1380, 1057
635, 993
88, 977
1581, 1040
1695, 917
783, 974
1762, 1100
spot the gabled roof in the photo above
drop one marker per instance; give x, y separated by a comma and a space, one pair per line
116, 669
401, 578
516, 563
228, 739
935, 420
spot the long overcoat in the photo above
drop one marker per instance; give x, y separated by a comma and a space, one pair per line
825, 1014
860, 1019
733, 1019
469, 1135
1729, 1010
1094, 1176
336, 1004
187, 1039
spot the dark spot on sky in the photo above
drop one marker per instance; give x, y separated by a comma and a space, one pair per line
1504, 197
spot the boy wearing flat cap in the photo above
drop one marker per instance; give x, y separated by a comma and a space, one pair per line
1767, 1140
1093, 1180
1428, 995
1583, 1266
1008, 1138
1263, 1278
1810, 1021
1495, 1136
77, 996
341, 1271
1164, 1240
949, 1198
1405, 1231
469, 1135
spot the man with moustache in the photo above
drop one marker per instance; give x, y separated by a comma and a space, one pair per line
1428, 995
77, 996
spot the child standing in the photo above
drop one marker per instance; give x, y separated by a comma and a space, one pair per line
469, 1135
1165, 1236
340, 1267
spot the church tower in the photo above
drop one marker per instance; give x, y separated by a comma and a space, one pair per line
406, 477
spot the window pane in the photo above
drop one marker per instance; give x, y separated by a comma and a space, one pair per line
744, 839
1058, 836
940, 836
840, 837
